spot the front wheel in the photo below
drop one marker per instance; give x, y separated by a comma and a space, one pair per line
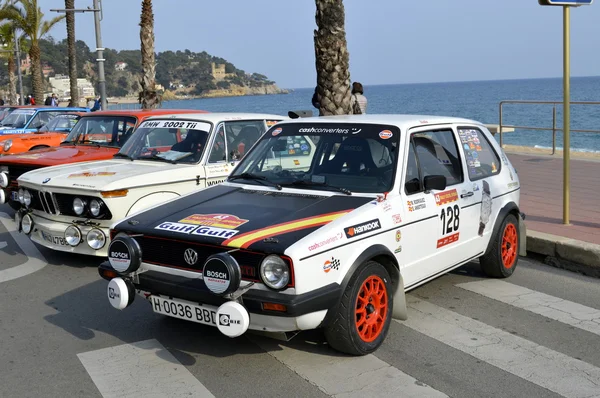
502, 258
361, 320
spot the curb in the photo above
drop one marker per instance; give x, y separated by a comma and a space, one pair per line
566, 253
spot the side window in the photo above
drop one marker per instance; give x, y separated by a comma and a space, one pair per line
37, 121
435, 153
218, 150
482, 159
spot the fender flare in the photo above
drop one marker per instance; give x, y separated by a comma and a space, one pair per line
511, 208
152, 200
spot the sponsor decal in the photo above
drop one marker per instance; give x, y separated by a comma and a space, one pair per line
486, 207
494, 168
215, 220
215, 232
92, 174
176, 227
246, 239
398, 235
328, 265
512, 178
386, 134
215, 275
324, 130
173, 124
504, 158
325, 242
363, 228
416, 204
214, 182
119, 256
226, 320
398, 250
355, 130
296, 162
276, 132
445, 241
397, 218
475, 187
446, 197
513, 185
271, 123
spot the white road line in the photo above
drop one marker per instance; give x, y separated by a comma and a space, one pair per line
561, 310
347, 377
549, 369
143, 369
35, 259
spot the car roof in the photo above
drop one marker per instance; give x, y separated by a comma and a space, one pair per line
219, 116
142, 112
400, 120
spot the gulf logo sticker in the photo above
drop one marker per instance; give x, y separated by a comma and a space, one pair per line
276, 132
386, 134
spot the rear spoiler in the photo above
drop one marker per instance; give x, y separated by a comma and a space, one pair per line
299, 114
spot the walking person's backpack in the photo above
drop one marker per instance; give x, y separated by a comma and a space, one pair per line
356, 107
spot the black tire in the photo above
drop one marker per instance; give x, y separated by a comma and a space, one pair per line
341, 331
496, 265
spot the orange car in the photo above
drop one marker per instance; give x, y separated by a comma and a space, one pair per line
52, 134
96, 136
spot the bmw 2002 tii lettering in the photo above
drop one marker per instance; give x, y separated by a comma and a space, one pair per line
326, 223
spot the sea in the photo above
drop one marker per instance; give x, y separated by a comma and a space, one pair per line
478, 100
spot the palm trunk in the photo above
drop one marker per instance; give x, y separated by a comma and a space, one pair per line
36, 72
70, 4
149, 97
332, 59
12, 82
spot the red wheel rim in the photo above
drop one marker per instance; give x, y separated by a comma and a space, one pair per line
509, 246
371, 309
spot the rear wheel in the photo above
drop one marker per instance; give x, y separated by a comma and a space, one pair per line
502, 258
361, 320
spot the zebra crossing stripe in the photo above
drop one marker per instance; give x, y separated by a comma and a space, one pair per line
549, 369
568, 312
347, 377
142, 369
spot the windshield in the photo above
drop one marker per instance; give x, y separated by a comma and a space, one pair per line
61, 123
330, 156
110, 131
168, 140
18, 119
5, 111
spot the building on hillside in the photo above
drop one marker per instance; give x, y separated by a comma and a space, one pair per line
218, 72
121, 65
47, 70
26, 64
61, 86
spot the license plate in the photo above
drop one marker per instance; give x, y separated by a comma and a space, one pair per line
55, 240
15, 196
206, 315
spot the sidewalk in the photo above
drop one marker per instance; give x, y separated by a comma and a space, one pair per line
541, 179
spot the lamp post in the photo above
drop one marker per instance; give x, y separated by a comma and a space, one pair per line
20, 77
97, 10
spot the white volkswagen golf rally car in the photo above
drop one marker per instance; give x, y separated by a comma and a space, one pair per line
71, 207
327, 236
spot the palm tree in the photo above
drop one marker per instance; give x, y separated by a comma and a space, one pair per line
70, 4
332, 59
7, 37
148, 96
30, 19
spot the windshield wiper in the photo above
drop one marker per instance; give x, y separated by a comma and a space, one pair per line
123, 155
156, 157
250, 176
318, 184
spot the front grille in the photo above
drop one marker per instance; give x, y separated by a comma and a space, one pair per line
43, 201
169, 253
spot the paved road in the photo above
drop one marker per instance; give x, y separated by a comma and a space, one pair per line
536, 335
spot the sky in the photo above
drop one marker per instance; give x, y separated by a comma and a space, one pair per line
389, 41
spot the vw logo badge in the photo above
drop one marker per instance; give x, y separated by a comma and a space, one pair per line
46, 180
190, 256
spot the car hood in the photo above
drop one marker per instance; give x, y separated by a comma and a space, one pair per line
60, 155
106, 175
267, 221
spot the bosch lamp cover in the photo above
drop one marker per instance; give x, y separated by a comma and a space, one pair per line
124, 254
222, 274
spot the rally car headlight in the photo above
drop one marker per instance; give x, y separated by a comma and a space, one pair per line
27, 224
21, 195
3, 180
95, 207
275, 272
7, 145
96, 239
73, 235
78, 206
26, 198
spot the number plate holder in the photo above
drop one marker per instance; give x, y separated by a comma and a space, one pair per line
204, 314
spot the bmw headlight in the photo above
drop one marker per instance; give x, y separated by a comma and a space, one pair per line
95, 207
26, 198
73, 235
21, 194
78, 206
96, 239
275, 272
7, 145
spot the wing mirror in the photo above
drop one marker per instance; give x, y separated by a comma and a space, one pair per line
437, 182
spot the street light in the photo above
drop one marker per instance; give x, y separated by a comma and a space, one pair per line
97, 10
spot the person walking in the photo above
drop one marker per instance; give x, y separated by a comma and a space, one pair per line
359, 101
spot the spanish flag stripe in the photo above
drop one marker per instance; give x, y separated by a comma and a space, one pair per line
248, 238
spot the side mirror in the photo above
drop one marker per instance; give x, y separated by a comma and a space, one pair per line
437, 182
300, 113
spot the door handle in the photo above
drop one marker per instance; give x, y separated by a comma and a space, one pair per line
466, 195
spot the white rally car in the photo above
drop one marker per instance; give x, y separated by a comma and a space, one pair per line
71, 207
332, 239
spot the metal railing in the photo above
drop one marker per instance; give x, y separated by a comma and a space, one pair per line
554, 128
